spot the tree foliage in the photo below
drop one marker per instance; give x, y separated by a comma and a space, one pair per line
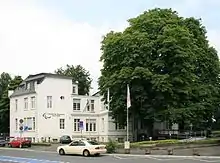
80, 75
166, 59
6, 83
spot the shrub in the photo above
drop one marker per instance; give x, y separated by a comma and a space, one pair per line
111, 146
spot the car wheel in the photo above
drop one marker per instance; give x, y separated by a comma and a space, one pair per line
86, 153
97, 154
61, 152
29, 145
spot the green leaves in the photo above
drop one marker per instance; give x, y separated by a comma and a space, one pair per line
79, 74
172, 71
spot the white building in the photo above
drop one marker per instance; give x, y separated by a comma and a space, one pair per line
50, 107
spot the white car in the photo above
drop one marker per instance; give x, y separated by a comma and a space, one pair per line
82, 147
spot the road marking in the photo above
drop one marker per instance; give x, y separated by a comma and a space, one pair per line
27, 160
28, 150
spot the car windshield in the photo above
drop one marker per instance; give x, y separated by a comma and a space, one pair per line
93, 143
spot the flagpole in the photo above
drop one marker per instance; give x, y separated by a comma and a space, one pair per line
128, 105
127, 143
127, 126
108, 98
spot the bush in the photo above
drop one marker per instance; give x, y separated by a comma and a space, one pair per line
41, 144
111, 146
168, 142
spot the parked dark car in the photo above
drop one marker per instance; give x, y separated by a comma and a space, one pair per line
3, 142
65, 139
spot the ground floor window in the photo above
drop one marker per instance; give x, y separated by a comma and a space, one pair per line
119, 127
90, 124
62, 123
30, 123
76, 124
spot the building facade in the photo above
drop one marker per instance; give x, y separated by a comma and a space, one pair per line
49, 106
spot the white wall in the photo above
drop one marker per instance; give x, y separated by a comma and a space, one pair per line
55, 88
21, 113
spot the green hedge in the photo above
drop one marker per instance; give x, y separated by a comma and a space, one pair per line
170, 142
41, 144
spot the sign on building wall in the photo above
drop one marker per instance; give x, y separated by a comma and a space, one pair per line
81, 125
50, 115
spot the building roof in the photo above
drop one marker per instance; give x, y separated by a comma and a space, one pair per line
41, 75
22, 90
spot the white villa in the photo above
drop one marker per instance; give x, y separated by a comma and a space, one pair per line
49, 106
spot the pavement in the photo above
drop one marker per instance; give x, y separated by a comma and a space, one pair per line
12, 155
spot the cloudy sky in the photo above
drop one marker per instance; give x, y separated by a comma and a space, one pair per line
42, 35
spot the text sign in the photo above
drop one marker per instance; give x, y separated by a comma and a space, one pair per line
81, 125
49, 115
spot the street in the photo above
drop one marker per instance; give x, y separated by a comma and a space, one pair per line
31, 156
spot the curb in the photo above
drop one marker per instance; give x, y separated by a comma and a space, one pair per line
165, 156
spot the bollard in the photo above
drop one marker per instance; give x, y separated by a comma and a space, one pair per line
147, 151
170, 151
196, 152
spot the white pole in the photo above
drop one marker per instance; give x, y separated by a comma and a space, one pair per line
128, 106
127, 125
127, 143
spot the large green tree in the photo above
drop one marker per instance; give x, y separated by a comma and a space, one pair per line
80, 75
172, 70
6, 83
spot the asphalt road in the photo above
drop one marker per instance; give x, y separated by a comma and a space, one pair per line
25, 156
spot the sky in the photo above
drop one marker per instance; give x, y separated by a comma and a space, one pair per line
42, 35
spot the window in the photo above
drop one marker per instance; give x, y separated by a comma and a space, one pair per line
81, 143
16, 124
16, 105
75, 143
62, 123
103, 124
76, 104
32, 102
74, 89
25, 103
30, 122
88, 105
49, 101
76, 125
90, 124
34, 123
93, 142
119, 127
92, 105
